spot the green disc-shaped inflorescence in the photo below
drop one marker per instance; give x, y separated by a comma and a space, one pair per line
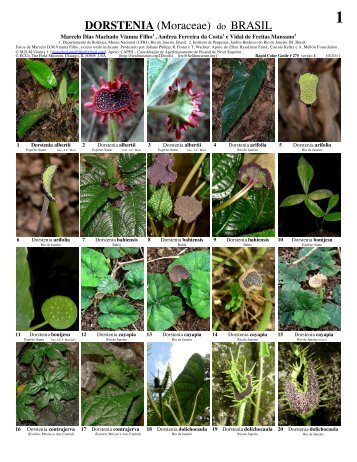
47, 177
59, 311
308, 88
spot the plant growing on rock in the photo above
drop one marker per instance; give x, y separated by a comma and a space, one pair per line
113, 394
100, 277
175, 208
113, 195
243, 196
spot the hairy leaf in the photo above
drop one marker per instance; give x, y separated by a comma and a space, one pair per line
225, 168
160, 202
117, 313
241, 92
99, 410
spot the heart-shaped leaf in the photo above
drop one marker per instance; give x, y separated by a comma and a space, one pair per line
94, 267
117, 313
200, 293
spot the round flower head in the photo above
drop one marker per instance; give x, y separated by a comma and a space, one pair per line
187, 108
116, 97
254, 173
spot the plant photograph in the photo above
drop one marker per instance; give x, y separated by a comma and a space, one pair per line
178, 99
243, 99
243, 195
47, 94
113, 195
47, 288
178, 384
309, 195
112, 288
243, 384
309, 99
243, 288
309, 384
309, 288
112, 97
47, 385
47, 195
178, 289
178, 191
112, 384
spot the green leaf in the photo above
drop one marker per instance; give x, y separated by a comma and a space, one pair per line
110, 168
161, 72
311, 318
320, 259
94, 267
225, 168
24, 305
117, 313
107, 285
168, 221
73, 89
160, 202
62, 91
263, 205
333, 201
236, 297
59, 311
132, 214
93, 197
336, 293
241, 92
120, 252
87, 293
37, 351
335, 216
76, 110
94, 348
135, 280
306, 173
315, 209
291, 276
308, 309
42, 73
191, 383
294, 199
286, 308
320, 194
334, 312
163, 308
99, 411
265, 233
24, 410
29, 119
200, 293
134, 168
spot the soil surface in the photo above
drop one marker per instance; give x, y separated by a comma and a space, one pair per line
29, 193
61, 122
289, 253
188, 321
257, 122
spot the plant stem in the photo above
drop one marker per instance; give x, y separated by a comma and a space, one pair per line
198, 189
161, 409
113, 129
54, 212
307, 422
249, 255
194, 408
241, 414
153, 405
153, 227
172, 413
267, 310
38, 326
163, 109
177, 226
304, 257
46, 203
191, 174
99, 386
259, 391
234, 198
179, 410
311, 122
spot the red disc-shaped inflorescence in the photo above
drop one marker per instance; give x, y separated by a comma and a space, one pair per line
116, 97
188, 107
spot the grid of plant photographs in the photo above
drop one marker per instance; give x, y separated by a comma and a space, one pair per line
164, 278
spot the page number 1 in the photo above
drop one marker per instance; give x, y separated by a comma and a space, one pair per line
339, 17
